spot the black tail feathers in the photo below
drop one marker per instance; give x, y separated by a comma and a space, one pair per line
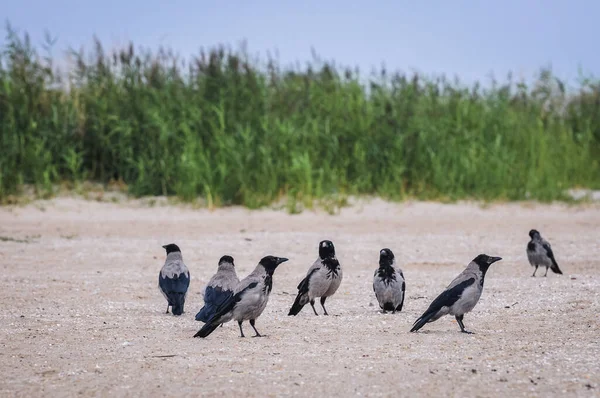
177, 301
205, 313
299, 303
207, 329
422, 321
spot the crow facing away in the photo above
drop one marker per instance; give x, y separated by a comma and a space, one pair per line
174, 279
219, 288
461, 295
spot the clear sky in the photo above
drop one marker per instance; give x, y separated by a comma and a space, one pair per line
456, 37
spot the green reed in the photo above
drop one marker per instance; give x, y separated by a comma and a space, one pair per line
236, 131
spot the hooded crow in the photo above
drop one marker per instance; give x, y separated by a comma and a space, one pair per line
388, 283
539, 253
322, 280
174, 279
219, 288
249, 299
460, 296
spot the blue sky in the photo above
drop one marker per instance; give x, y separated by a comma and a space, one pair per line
465, 38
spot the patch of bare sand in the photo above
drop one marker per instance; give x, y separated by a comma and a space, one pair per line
81, 312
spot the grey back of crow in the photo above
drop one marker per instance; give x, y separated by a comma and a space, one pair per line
174, 279
219, 288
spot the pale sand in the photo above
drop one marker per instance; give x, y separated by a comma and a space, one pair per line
82, 314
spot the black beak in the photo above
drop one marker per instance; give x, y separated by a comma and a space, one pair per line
164, 246
494, 259
281, 260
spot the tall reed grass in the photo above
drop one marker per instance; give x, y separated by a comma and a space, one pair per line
236, 131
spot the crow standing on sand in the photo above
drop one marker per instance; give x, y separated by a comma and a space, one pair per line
249, 299
219, 288
322, 280
174, 279
388, 283
539, 253
461, 295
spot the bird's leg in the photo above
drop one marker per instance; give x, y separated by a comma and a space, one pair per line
221, 325
323, 305
546, 272
253, 327
534, 271
459, 319
167, 309
312, 304
241, 331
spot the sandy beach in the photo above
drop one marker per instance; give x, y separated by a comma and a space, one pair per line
82, 315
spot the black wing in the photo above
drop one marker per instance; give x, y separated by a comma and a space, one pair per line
216, 295
550, 255
450, 296
303, 285
446, 299
549, 252
229, 303
213, 298
175, 289
177, 284
223, 309
399, 308
301, 297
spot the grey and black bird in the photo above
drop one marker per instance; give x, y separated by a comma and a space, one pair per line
248, 300
461, 295
388, 283
539, 253
219, 288
174, 279
322, 280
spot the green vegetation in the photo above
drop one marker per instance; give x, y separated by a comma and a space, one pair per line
236, 131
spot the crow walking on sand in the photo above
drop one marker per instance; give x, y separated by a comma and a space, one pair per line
460, 296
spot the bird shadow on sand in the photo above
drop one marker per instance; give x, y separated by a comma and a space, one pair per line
444, 333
